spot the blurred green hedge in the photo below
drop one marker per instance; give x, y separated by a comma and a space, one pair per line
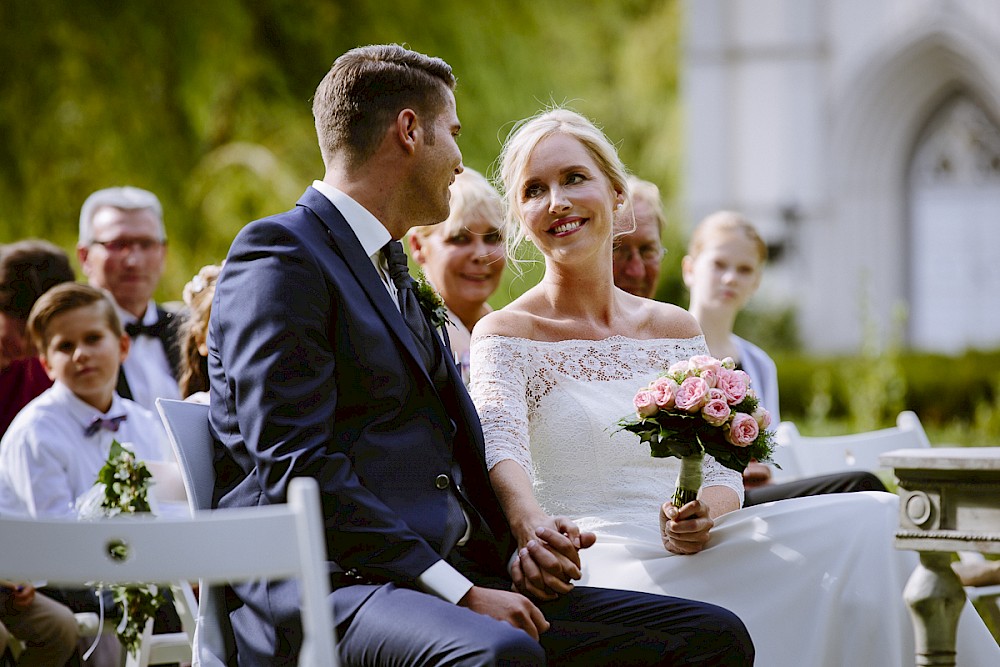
940, 389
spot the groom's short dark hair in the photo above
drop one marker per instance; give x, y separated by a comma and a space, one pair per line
365, 90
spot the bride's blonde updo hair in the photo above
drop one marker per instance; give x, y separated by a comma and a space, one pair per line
521, 142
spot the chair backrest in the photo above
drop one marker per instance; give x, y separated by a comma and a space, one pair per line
187, 429
277, 542
821, 455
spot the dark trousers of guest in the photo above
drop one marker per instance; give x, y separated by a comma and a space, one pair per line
841, 482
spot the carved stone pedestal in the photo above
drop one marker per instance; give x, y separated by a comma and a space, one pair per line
949, 500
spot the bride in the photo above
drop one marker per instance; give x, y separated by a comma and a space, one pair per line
816, 580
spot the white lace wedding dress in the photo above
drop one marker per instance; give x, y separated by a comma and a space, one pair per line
816, 580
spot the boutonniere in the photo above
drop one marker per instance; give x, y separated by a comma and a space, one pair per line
431, 302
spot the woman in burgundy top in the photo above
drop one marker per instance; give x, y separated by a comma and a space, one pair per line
27, 270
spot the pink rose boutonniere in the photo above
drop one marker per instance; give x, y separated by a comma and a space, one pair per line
701, 406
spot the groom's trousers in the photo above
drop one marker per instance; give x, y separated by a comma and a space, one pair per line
589, 626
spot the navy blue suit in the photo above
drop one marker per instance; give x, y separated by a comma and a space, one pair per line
314, 372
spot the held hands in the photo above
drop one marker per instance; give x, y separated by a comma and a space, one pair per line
545, 567
685, 530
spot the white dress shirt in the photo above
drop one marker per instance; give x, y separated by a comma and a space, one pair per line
46, 461
440, 579
147, 367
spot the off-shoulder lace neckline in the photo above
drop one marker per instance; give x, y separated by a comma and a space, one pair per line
610, 339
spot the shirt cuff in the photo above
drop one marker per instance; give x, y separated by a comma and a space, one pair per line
444, 581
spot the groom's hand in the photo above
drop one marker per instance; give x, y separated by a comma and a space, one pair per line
506, 606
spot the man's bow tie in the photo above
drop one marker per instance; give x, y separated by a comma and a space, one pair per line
110, 423
136, 329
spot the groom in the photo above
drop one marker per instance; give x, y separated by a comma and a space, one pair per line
323, 364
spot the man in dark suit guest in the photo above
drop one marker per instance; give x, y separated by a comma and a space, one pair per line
123, 249
325, 365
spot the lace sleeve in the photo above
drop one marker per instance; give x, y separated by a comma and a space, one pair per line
499, 390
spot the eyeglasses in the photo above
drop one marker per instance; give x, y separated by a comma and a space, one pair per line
118, 246
648, 254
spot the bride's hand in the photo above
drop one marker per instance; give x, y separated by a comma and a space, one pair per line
685, 530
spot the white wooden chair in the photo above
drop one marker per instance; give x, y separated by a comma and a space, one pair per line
187, 429
810, 456
281, 541
822, 455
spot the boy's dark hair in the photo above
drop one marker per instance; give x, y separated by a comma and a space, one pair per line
27, 269
62, 299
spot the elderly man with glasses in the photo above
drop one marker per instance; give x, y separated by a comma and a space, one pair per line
122, 249
638, 254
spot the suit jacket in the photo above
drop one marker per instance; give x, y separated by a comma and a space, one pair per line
316, 373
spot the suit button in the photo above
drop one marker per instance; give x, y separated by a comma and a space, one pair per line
442, 482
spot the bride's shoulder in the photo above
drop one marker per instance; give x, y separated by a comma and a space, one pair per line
518, 319
508, 321
665, 320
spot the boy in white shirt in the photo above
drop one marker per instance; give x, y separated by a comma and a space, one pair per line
56, 445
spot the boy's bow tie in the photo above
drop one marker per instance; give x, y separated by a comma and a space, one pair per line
109, 423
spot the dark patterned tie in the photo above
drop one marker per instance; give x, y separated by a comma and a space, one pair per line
107, 423
408, 304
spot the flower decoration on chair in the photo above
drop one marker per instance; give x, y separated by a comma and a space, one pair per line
431, 301
701, 406
122, 487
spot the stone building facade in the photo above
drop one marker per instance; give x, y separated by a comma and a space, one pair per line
863, 138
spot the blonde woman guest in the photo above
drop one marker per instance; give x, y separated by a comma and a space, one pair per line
198, 293
463, 257
817, 580
722, 270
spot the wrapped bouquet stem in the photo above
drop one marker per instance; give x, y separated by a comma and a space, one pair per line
701, 406
688, 480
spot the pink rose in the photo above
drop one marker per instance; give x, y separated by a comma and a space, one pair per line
732, 385
692, 394
743, 430
743, 376
679, 368
717, 410
703, 363
762, 417
664, 391
645, 405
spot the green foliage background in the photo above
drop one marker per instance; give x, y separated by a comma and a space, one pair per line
208, 103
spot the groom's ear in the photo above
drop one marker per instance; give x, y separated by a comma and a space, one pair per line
407, 129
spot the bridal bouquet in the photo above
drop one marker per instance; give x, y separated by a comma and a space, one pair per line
701, 405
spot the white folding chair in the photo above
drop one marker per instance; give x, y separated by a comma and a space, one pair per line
186, 424
823, 455
277, 542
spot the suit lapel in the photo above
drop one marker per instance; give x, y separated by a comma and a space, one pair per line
346, 244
